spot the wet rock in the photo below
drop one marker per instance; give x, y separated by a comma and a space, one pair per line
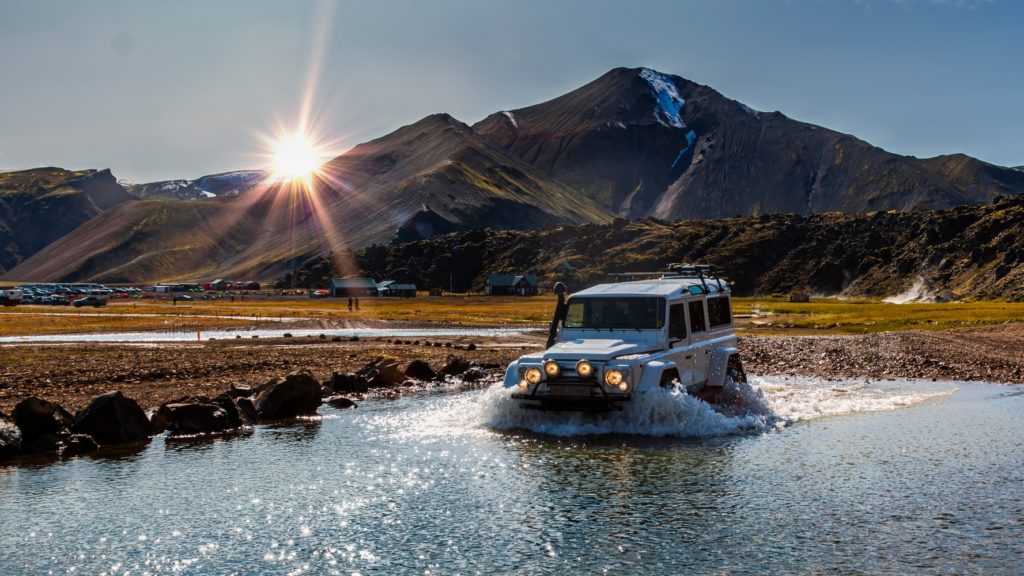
383, 373
197, 418
239, 392
41, 444
473, 374
37, 418
77, 444
341, 402
297, 394
420, 370
10, 438
113, 418
246, 410
348, 382
454, 366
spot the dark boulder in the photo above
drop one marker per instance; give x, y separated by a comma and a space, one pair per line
473, 374
348, 383
297, 394
196, 418
420, 370
341, 402
454, 366
76, 444
113, 418
41, 444
246, 410
383, 373
37, 418
10, 438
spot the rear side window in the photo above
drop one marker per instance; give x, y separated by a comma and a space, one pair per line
677, 322
697, 316
718, 311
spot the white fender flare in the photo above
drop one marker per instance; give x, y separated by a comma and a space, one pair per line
511, 375
650, 378
720, 365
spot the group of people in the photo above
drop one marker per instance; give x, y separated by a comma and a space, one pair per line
350, 301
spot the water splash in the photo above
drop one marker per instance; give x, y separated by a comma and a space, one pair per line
767, 403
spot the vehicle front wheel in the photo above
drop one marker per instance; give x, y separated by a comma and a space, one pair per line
668, 377
734, 370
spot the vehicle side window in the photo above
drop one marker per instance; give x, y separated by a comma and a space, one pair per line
697, 316
677, 322
718, 311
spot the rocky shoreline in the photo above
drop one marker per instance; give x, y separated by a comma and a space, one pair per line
39, 430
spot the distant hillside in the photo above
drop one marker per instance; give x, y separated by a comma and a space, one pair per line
226, 184
435, 171
963, 252
643, 143
41, 205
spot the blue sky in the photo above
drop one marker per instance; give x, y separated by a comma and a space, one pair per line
158, 90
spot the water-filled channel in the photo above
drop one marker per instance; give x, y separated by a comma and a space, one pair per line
848, 476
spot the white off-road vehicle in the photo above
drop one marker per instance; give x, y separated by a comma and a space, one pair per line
612, 342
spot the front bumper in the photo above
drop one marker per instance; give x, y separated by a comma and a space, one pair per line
581, 399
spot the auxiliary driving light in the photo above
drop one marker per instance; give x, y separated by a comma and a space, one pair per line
551, 369
532, 375
584, 369
523, 385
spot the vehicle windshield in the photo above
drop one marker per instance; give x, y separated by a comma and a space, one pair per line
637, 313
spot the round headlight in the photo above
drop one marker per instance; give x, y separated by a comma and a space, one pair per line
551, 369
532, 375
623, 386
584, 369
614, 377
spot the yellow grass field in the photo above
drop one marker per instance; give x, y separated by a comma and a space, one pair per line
753, 316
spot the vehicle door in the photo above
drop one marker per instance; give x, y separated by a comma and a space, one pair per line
699, 351
679, 342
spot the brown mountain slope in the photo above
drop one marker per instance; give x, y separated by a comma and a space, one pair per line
364, 196
650, 144
41, 205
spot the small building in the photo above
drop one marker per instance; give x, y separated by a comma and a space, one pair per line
382, 287
353, 287
220, 284
511, 285
396, 290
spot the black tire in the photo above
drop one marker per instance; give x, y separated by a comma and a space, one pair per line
734, 370
668, 376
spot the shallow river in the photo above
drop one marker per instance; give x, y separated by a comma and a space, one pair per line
847, 477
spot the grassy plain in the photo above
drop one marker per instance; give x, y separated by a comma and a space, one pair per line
753, 316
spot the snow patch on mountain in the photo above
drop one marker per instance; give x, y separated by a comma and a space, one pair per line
511, 118
670, 103
691, 137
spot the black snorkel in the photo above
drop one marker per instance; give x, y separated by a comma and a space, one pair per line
559, 316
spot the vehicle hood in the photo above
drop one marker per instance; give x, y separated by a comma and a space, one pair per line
596, 349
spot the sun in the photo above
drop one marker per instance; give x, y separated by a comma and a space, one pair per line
296, 157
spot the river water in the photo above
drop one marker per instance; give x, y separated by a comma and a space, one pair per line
823, 477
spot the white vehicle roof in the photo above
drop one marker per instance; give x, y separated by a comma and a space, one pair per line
666, 287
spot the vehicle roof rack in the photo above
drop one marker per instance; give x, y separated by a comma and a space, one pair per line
702, 272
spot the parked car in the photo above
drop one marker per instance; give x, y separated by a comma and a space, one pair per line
95, 301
